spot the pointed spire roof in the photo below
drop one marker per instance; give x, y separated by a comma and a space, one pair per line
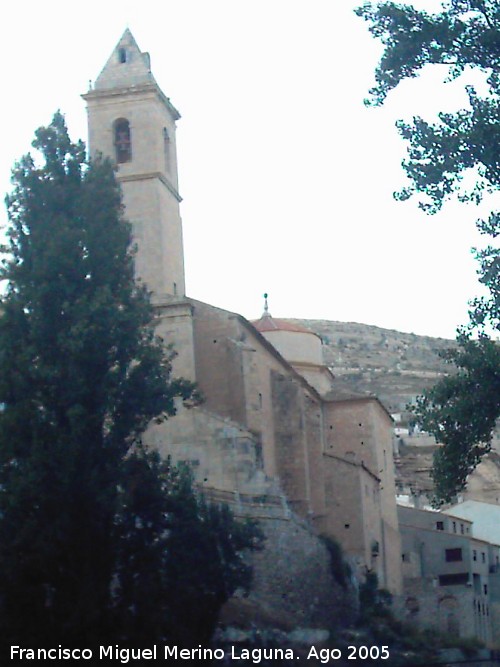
128, 70
127, 66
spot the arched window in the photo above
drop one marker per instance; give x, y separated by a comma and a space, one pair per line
122, 55
123, 145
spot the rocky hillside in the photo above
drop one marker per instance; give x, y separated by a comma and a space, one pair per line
394, 366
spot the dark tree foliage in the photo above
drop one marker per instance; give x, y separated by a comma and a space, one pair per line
457, 157
461, 411
485, 311
374, 602
81, 376
202, 579
181, 558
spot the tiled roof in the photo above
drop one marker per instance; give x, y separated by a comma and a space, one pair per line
269, 323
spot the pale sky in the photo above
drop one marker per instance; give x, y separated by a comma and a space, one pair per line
286, 177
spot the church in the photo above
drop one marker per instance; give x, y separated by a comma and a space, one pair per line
273, 437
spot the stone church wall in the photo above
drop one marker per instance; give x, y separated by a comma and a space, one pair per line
361, 510
291, 435
315, 468
353, 516
245, 380
174, 318
218, 362
221, 453
290, 439
293, 574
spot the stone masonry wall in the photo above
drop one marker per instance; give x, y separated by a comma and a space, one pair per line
289, 435
450, 610
293, 573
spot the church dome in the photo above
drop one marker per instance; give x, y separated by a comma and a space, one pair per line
296, 343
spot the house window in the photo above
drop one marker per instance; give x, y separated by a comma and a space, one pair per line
122, 55
439, 525
474, 554
485, 589
453, 555
459, 579
483, 557
454, 526
123, 145
462, 528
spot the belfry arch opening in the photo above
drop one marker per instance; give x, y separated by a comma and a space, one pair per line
122, 140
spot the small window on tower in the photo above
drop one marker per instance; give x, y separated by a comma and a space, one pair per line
122, 55
123, 146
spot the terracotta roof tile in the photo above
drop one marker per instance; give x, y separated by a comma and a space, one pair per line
268, 323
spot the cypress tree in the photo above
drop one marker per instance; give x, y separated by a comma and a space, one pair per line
81, 376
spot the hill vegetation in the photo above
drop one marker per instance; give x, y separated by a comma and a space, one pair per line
396, 367
392, 365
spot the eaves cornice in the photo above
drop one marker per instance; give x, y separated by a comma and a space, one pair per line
140, 89
148, 176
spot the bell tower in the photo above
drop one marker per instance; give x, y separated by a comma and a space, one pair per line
134, 123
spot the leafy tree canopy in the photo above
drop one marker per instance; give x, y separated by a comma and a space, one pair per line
443, 159
466, 34
461, 412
